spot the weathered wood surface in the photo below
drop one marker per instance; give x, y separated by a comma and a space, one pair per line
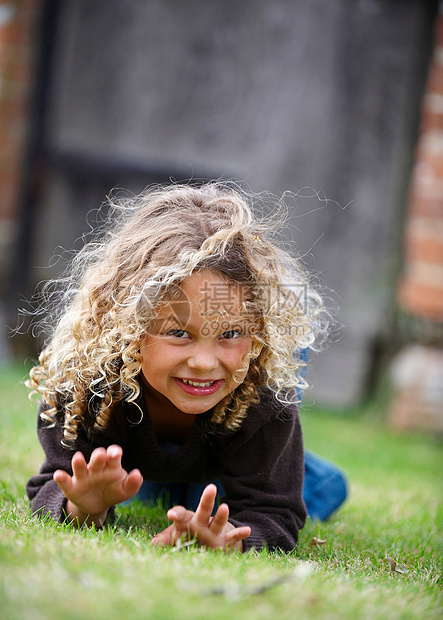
279, 95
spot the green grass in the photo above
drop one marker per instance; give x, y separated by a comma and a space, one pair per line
48, 571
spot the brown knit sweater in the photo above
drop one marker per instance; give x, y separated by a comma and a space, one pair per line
260, 465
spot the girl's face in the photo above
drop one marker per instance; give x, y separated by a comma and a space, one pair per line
196, 344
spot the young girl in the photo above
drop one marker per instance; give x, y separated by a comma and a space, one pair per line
174, 360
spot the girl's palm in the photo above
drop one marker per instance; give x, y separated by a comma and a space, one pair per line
212, 532
96, 486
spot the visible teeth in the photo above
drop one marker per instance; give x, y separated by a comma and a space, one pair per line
197, 384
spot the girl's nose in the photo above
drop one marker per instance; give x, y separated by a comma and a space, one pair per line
203, 358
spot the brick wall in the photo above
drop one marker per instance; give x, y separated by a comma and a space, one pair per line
417, 371
421, 286
18, 20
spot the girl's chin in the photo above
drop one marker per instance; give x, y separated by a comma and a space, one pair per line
198, 407
194, 412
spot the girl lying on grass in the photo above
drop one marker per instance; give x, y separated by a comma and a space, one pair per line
172, 361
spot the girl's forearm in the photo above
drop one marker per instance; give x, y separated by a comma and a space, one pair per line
78, 518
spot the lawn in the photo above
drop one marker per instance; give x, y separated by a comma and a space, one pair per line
395, 509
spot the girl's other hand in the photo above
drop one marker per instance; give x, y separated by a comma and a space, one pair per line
213, 532
96, 486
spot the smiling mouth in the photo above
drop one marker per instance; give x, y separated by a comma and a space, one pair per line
201, 384
199, 388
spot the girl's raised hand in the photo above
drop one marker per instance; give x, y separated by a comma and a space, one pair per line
96, 486
214, 532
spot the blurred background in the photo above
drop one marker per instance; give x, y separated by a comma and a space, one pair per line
337, 101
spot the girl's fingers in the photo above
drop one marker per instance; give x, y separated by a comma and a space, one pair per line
211, 534
236, 535
98, 459
220, 519
164, 538
180, 515
132, 483
234, 538
63, 479
206, 505
114, 456
79, 466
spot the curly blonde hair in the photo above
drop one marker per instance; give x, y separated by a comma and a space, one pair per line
152, 243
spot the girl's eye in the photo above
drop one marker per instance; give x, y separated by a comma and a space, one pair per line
177, 333
232, 333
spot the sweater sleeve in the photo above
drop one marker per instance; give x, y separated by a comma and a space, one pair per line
263, 479
44, 494
46, 497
